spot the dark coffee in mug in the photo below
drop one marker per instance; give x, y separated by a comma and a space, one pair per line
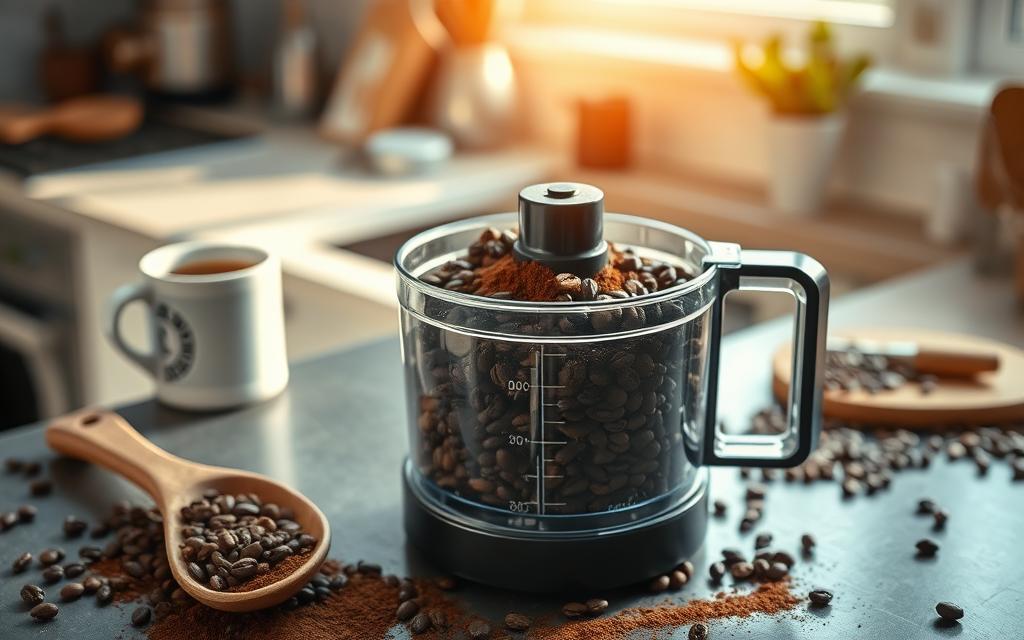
207, 267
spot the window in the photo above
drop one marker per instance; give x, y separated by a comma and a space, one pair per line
865, 12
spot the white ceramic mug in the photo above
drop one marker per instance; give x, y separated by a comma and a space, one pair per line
217, 337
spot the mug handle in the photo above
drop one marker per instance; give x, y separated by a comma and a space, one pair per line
121, 298
806, 280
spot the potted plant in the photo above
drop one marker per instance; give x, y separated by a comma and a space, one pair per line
807, 100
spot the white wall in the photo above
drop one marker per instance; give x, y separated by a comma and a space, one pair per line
704, 122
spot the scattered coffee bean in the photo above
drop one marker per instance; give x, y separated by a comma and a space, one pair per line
478, 630
659, 584
32, 469
574, 610
40, 488
420, 623
337, 581
407, 610
677, 580
777, 571
51, 556
27, 513
820, 597
21, 563
53, 573
44, 611
756, 492
368, 568
940, 516
438, 619
1017, 467
517, 622
761, 568
14, 465
92, 584
141, 616
949, 611
73, 570
716, 571
763, 541
732, 556
104, 595
926, 548
73, 527
687, 568
807, 542
741, 570
32, 594
596, 606
720, 508
72, 591
699, 631
92, 554
785, 558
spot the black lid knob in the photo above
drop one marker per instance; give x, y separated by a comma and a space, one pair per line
561, 225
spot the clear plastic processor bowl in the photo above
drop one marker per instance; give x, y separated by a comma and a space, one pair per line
560, 445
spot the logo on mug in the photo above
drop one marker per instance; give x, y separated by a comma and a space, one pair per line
175, 341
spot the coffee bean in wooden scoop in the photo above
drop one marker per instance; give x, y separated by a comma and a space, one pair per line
104, 438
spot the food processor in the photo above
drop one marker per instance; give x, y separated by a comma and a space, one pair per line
564, 445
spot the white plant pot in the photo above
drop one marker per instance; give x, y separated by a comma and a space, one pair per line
801, 152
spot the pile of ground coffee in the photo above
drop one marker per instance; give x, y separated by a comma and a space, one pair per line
278, 572
769, 598
364, 608
489, 269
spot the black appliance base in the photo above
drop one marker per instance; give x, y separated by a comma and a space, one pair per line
530, 561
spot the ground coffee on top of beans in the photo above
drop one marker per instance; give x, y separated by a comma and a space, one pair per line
489, 269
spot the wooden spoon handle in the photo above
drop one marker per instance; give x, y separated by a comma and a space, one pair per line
105, 438
955, 363
18, 125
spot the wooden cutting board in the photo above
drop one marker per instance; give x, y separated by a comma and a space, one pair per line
990, 398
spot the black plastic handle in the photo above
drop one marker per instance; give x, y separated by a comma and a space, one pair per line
806, 279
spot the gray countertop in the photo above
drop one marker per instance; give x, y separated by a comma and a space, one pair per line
338, 434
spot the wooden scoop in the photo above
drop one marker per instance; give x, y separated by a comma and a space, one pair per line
106, 439
92, 118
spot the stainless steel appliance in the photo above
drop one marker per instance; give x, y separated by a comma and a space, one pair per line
38, 355
181, 47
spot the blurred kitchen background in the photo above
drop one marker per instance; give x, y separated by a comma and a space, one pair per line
881, 136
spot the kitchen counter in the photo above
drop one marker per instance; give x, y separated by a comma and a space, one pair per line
338, 434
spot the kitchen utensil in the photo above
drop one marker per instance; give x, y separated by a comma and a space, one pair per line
382, 74
474, 95
217, 322
558, 445
990, 397
181, 48
94, 118
940, 361
407, 150
105, 438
